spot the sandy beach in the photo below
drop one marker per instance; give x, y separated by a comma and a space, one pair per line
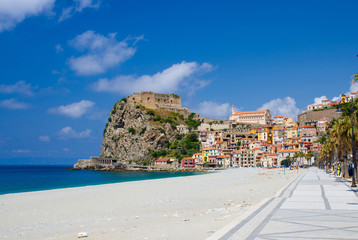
191, 207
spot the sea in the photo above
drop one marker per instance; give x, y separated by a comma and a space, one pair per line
15, 179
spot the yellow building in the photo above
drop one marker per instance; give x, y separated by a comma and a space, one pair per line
205, 154
262, 136
291, 132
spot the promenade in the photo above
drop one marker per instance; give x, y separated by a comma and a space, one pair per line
313, 206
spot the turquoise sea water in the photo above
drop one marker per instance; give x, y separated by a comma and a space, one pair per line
14, 179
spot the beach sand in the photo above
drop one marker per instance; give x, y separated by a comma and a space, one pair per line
191, 207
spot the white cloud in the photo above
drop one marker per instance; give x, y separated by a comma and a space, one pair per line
282, 107
336, 99
21, 151
354, 87
13, 12
66, 149
102, 52
318, 100
180, 74
78, 6
12, 103
44, 138
98, 114
20, 87
68, 132
58, 48
213, 109
74, 110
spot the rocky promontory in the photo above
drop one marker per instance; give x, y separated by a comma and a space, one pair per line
137, 127
132, 130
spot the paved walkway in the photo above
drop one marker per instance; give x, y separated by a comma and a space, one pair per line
314, 206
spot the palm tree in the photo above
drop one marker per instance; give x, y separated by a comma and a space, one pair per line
309, 156
355, 78
295, 156
338, 139
301, 155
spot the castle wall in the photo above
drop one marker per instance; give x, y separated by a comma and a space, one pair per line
314, 116
156, 100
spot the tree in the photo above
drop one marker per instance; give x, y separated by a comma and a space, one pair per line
355, 78
301, 155
309, 156
295, 156
287, 162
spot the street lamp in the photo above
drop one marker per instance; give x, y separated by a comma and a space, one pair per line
353, 141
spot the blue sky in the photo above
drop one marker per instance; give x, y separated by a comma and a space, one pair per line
65, 63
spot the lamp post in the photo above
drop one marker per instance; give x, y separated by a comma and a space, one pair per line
353, 143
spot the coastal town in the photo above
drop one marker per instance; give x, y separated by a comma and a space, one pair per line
256, 139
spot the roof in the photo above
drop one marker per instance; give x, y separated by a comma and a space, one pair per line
289, 150
221, 156
260, 112
197, 154
162, 160
257, 127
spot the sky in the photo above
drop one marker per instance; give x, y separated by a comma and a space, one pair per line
64, 63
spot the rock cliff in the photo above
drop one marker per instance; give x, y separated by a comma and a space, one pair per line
133, 130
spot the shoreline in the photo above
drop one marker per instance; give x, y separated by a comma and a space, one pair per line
120, 179
168, 208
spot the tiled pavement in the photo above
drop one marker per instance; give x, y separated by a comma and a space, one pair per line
314, 206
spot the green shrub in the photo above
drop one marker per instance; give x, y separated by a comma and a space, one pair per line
142, 131
192, 137
116, 138
157, 118
151, 112
173, 126
191, 116
131, 130
169, 120
109, 119
177, 115
193, 123
105, 129
124, 100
